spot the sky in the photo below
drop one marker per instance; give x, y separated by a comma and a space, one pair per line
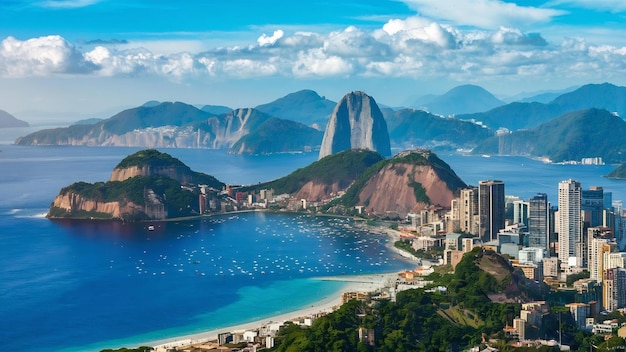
64, 60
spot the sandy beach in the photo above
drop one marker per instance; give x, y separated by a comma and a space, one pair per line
367, 283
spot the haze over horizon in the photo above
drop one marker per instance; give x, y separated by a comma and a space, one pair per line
71, 59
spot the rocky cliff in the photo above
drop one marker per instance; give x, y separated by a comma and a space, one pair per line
73, 203
168, 125
143, 186
409, 182
356, 123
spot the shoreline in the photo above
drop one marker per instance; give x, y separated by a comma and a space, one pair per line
352, 283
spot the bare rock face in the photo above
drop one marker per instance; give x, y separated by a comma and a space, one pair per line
72, 203
356, 123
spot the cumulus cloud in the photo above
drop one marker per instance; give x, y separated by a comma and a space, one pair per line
264, 39
411, 47
40, 57
489, 14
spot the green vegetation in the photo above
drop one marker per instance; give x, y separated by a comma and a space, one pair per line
575, 277
416, 127
420, 192
346, 166
405, 245
418, 320
178, 202
567, 137
443, 170
151, 158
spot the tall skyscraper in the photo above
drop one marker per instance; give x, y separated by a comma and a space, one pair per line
570, 224
491, 209
539, 221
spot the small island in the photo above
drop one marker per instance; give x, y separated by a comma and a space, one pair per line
147, 185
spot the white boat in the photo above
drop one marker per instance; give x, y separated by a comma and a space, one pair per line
151, 228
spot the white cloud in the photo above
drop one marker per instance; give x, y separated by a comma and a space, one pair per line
489, 14
316, 62
414, 47
40, 57
264, 39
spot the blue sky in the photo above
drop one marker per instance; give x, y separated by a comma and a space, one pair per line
69, 59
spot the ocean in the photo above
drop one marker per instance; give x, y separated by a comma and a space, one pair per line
86, 286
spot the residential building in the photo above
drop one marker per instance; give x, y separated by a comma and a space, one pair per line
614, 289
468, 210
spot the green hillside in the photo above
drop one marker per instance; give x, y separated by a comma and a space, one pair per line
415, 127
173, 114
441, 168
517, 116
341, 168
419, 320
572, 136
179, 202
278, 136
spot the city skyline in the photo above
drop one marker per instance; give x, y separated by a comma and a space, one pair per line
61, 60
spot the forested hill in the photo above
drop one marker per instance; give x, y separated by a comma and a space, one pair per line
424, 321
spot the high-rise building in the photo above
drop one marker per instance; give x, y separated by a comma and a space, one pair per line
520, 212
569, 223
491, 209
614, 289
592, 206
538, 221
468, 210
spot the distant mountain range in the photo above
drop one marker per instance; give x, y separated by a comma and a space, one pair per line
289, 124
464, 99
572, 136
9, 121
304, 106
515, 116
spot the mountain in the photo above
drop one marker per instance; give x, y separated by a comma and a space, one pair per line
216, 109
464, 99
167, 125
410, 128
572, 136
278, 136
143, 186
317, 182
91, 121
9, 121
356, 123
517, 115
619, 172
409, 182
304, 106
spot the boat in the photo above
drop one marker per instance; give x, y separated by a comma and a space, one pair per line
151, 228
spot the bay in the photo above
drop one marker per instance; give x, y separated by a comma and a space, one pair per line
92, 285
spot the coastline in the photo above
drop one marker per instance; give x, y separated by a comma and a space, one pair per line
351, 283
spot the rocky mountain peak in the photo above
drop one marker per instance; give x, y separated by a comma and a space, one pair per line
356, 123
